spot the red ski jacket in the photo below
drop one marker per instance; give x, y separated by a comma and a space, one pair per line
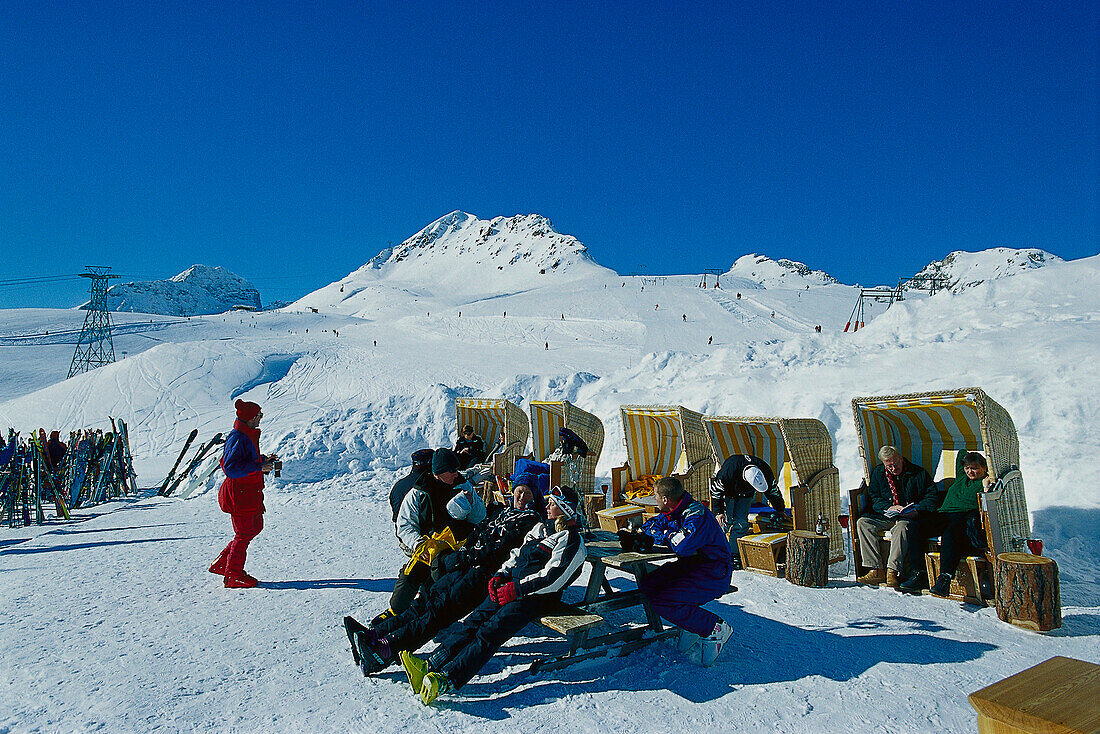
242, 492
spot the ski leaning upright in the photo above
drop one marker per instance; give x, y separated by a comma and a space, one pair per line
172, 473
202, 452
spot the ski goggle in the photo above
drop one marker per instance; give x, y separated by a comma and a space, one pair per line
557, 496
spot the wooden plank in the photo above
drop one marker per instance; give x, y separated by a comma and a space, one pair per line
615, 601
1057, 695
567, 624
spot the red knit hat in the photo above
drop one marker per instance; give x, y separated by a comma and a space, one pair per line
246, 411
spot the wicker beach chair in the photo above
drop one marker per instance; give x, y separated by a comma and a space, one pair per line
548, 417
663, 440
924, 425
800, 453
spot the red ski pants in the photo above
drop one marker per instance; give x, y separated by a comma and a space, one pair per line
245, 528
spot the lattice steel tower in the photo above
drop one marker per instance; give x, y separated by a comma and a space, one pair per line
95, 347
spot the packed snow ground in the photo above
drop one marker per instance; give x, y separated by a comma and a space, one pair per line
114, 623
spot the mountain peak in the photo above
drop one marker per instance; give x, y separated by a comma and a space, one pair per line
459, 246
781, 273
967, 269
200, 289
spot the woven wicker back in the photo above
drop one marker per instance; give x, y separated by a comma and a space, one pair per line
548, 417
488, 416
800, 453
922, 425
667, 439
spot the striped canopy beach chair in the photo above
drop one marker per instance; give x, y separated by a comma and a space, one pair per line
550, 416
800, 453
489, 416
923, 425
662, 440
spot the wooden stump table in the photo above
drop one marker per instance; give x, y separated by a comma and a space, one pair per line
1027, 591
807, 558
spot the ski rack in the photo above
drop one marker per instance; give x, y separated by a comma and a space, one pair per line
97, 467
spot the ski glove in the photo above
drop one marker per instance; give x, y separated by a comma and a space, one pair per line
507, 592
494, 585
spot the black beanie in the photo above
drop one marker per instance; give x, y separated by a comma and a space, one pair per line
444, 460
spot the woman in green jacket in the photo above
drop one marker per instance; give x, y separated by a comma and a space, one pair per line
949, 522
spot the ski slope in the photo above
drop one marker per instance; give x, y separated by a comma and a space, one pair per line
113, 622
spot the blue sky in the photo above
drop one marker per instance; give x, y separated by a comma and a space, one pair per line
290, 142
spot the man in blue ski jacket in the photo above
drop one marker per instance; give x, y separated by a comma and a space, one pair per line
701, 573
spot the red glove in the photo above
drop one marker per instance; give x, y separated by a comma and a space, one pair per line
494, 584
506, 593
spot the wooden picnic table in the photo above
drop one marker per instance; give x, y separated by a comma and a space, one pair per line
602, 552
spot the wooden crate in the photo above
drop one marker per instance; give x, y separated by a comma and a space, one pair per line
764, 553
966, 585
616, 518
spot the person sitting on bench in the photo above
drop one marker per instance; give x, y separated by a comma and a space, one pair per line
469, 449
439, 501
898, 493
702, 572
732, 490
456, 592
956, 520
528, 586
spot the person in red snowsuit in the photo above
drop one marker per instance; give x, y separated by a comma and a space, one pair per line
242, 493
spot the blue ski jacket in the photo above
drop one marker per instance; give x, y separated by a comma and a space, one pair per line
691, 530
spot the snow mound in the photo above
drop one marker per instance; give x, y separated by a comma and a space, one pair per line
199, 290
781, 273
967, 269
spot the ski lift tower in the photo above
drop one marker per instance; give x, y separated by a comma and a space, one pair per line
95, 347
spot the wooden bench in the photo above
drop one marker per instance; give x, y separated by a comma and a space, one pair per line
574, 623
1058, 695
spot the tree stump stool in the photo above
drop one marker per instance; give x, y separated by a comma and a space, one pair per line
593, 503
807, 558
1027, 591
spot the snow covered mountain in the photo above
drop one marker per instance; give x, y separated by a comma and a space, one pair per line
461, 254
967, 269
767, 273
198, 290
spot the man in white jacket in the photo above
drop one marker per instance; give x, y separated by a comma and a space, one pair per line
438, 502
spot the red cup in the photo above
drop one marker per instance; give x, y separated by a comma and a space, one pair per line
1035, 545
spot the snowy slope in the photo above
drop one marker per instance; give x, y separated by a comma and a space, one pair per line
121, 628
198, 290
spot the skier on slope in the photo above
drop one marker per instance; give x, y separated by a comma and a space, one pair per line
461, 588
242, 493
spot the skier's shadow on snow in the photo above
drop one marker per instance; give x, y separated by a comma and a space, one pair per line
762, 651
385, 585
